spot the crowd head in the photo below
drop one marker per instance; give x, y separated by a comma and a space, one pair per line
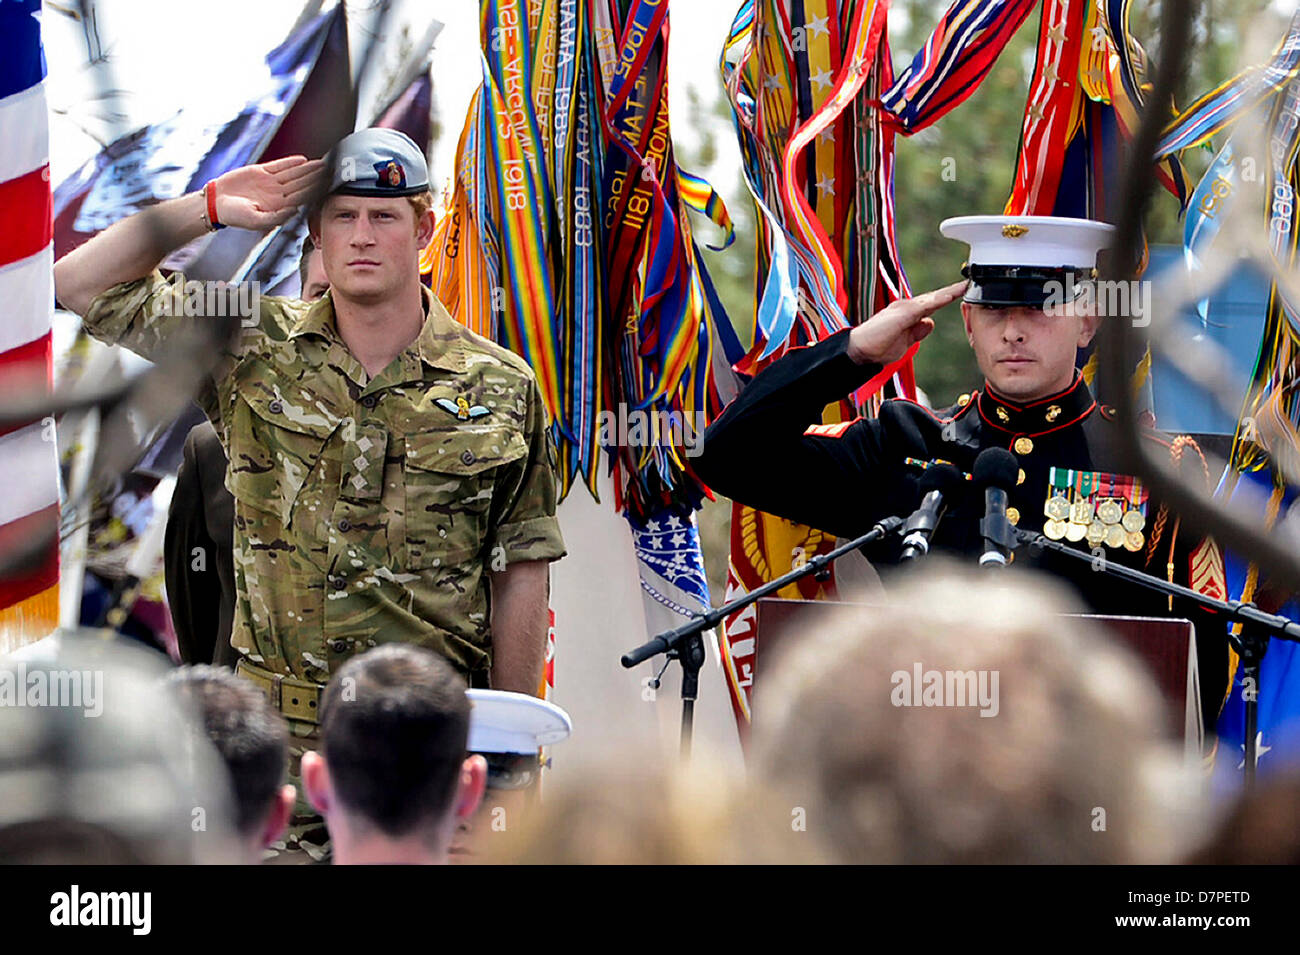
964, 721
99, 763
253, 742
392, 778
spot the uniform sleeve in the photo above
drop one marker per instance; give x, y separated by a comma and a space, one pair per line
524, 524
144, 314
760, 452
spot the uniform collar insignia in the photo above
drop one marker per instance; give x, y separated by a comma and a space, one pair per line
461, 408
1038, 416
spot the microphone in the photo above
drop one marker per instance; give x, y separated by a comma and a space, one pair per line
996, 470
935, 483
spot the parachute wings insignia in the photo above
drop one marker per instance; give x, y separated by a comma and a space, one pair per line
461, 408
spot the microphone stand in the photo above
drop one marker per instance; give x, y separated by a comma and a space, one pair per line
1257, 627
686, 645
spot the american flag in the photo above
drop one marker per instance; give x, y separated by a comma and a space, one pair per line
29, 490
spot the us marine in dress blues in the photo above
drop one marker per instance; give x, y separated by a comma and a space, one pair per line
768, 450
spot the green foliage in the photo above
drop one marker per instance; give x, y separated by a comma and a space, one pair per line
980, 139
732, 270
1227, 36
714, 520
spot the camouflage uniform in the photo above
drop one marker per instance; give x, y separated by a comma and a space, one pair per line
367, 509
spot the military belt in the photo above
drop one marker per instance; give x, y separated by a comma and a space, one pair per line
296, 699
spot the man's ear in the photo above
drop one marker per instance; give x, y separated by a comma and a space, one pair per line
316, 782
965, 320
277, 817
473, 782
424, 234
1089, 322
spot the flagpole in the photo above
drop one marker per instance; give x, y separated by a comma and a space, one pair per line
416, 63
309, 12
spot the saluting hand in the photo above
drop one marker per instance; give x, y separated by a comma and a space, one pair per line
266, 195
888, 334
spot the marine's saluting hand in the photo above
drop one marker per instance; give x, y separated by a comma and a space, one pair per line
888, 334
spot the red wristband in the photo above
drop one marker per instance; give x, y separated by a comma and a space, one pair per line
210, 194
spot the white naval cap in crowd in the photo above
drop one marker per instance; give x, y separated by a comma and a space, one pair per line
504, 722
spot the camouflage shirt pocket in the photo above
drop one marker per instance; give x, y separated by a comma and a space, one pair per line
277, 435
450, 476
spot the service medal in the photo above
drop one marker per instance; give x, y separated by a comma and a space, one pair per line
1081, 511
1075, 532
1109, 511
1133, 520
1055, 529
1115, 535
1133, 541
1058, 505
1096, 533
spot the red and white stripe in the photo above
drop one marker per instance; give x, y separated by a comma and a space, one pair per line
29, 488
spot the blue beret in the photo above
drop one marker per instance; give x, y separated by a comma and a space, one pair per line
378, 162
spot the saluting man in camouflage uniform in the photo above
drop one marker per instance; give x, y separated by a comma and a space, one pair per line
392, 471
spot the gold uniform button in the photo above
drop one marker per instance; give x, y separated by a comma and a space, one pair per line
1013, 515
1023, 445
1020, 477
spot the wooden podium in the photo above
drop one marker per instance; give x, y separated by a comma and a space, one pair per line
1166, 645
